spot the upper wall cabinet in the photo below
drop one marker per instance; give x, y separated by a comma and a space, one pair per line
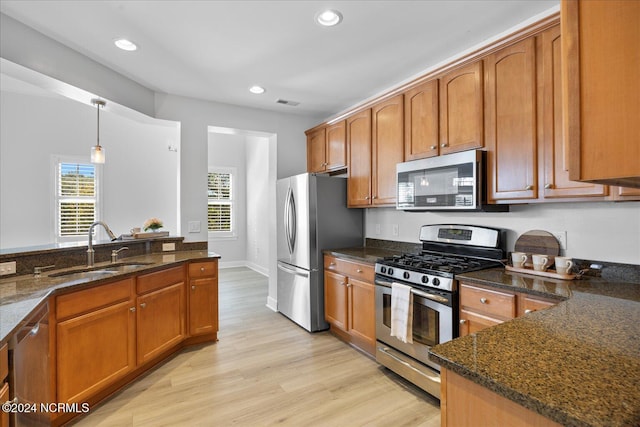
327, 148
511, 121
601, 90
461, 109
421, 121
375, 145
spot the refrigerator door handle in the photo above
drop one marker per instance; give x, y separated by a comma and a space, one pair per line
292, 271
290, 220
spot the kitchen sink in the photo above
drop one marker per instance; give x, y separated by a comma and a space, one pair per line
102, 271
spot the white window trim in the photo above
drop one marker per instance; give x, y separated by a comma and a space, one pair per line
55, 161
233, 234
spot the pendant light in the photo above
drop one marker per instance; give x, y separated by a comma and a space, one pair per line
97, 152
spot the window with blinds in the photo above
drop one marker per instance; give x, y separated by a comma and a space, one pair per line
76, 198
220, 202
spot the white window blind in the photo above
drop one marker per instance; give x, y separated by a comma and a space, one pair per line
220, 202
76, 198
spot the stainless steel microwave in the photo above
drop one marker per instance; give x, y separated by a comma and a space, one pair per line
454, 182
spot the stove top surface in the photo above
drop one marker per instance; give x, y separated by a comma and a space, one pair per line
438, 263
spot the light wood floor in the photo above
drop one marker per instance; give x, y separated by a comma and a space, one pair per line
266, 370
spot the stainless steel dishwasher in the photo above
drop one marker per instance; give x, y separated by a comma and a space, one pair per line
29, 374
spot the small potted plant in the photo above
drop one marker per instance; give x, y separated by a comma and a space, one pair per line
153, 224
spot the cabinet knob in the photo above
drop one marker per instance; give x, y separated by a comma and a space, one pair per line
132, 309
463, 321
374, 197
444, 145
527, 311
193, 287
343, 283
548, 186
366, 197
359, 271
483, 300
433, 147
202, 269
348, 285
529, 187
143, 305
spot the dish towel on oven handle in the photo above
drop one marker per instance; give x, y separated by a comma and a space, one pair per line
402, 312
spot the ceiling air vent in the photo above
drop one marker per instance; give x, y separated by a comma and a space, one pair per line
285, 102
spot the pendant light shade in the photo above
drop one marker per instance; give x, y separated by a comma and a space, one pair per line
97, 152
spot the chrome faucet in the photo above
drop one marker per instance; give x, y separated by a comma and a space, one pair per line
90, 251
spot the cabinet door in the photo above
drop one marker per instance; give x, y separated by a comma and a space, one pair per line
601, 87
336, 146
335, 299
4, 397
316, 155
421, 131
555, 151
387, 148
511, 122
94, 350
625, 193
462, 109
471, 322
203, 306
530, 304
359, 156
362, 317
160, 320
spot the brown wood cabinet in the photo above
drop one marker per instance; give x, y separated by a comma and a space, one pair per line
511, 122
600, 90
203, 298
359, 159
350, 301
421, 121
462, 109
464, 402
4, 385
95, 339
483, 306
327, 148
387, 148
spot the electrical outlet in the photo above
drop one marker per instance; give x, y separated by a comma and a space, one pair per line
561, 237
7, 268
395, 229
167, 247
378, 230
194, 226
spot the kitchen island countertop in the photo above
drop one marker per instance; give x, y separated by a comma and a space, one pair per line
577, 363
21, 295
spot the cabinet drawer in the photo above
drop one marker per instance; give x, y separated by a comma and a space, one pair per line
94, 298
203, 269
160, 279
4, 363
356, 270
493, 303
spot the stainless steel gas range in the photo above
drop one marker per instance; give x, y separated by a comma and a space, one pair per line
447, 250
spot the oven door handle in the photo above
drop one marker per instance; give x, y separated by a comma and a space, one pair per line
436, 298
408, 365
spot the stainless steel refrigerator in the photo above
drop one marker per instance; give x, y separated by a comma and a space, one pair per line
312, 217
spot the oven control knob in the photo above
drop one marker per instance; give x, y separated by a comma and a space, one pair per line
436, 281
425, 279
406, 275
383, 270
390, 271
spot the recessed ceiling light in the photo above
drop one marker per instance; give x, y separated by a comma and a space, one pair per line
125, 44
256, 89
329, 18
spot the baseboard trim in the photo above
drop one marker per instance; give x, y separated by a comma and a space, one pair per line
272, 304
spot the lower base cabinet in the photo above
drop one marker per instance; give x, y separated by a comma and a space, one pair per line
350, 301
465, 403
203, 298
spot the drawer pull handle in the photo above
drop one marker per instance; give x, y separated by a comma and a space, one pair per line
483, 300
143, 305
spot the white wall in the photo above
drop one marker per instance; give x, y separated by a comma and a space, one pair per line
604, 231
258, 185
139, 177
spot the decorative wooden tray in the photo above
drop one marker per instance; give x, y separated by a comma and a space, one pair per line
150, 234
548, 273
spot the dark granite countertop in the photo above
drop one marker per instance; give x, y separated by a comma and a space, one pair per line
21, 295
367, 255
577, 363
